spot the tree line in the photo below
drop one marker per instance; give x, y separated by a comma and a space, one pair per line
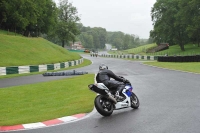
176, 22
40, 18
28, 16
59, 24
97, 37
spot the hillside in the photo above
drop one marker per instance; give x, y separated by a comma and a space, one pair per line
190, 49
18, 51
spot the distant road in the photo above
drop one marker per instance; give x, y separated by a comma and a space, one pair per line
108, 46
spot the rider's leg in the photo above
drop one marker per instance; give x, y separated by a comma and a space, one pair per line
120, 88
117, 86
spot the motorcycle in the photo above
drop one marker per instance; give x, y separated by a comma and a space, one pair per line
106, 101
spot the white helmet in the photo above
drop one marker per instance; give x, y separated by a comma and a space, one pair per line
103, 66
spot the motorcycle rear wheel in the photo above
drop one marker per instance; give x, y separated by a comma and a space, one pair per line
134, 101
103, 105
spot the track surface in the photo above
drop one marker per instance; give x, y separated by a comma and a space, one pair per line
169, 101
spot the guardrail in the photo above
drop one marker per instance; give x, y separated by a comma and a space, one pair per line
37, 68
145, 57
194, 58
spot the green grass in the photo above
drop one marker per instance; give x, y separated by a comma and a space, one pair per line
19, 51
9, 33
188, 67
45, 101
117, 52
41, 101
86, 62
190, 49
138, 50
141, 49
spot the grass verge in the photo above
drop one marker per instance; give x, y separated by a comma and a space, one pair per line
190, 49
45, 101
20, 51
138, 50
188, 67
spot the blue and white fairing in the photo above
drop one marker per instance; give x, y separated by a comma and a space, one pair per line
127, 91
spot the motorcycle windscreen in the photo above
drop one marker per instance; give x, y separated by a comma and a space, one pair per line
97, 90
129, 90
128, 93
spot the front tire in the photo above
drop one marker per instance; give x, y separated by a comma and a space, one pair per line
103, 105
134, 101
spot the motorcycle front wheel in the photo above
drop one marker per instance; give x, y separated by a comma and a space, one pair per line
103, 105
134, 101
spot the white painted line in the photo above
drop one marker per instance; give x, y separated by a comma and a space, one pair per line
33, 125
67, 118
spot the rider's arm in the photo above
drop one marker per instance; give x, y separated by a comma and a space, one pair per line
112, 75
97, 78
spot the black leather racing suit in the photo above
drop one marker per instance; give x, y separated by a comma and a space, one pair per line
104, 76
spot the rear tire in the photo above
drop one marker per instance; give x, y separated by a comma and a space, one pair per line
134, 101
103, 105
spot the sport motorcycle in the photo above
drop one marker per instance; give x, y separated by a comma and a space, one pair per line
106, 101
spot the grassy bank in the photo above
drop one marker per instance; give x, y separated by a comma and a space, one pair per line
19, 51
188, 67
47, 100
41, 101
190, 49
141, 49
138, 50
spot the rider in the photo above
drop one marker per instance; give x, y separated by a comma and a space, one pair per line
104, 76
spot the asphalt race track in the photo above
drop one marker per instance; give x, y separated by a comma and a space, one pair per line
169, 101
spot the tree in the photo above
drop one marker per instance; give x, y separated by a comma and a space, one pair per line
190, 13
118, 43
25, 16
126, 41
3, 16
96, 41
18, 13
67, 18
113, 37
102, 35
47, 17
87, 40
176, 22
168, 26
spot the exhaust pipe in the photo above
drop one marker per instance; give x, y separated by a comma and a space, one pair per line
112, 98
